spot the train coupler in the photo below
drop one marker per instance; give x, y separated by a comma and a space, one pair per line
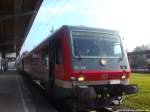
130, 89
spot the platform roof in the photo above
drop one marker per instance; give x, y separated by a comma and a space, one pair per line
16, 18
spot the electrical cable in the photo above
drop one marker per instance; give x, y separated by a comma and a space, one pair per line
44, 28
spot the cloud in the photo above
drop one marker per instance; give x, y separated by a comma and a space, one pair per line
130, 17
78, 7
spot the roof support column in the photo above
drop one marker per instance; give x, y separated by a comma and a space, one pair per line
17, 11
3, 55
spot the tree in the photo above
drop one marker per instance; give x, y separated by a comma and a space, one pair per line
141, 48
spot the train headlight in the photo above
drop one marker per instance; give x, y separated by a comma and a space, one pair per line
103, 62
81, 78
123, 76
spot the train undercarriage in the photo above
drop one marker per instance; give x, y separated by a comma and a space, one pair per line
98, 97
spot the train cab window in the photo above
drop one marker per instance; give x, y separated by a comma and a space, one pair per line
117, 49
95, 45
58, 54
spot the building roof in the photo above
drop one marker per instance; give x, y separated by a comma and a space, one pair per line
16, 18
139, 52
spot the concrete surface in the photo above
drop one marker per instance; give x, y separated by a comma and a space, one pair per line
16, 96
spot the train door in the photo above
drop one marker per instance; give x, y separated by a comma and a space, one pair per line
59, 67
45, 62
54, 62
51, 78
56, 67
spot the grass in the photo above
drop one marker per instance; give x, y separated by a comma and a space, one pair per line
140, 100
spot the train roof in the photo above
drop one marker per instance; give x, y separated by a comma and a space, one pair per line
86, 28
70, 28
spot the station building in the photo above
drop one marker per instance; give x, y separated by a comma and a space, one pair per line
139, 60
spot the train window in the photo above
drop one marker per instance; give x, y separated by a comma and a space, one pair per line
58, 54
147, 56
28, 61
45, 56
35, 58
90, 45
117, 49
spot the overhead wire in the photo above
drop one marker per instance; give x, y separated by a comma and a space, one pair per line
47, 26
54, 16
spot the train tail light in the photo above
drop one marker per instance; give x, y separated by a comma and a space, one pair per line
123, 76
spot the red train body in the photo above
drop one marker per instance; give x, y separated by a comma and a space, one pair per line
87, 63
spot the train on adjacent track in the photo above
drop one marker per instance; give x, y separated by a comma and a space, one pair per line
86, 66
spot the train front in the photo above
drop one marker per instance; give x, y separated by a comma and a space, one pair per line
100, 67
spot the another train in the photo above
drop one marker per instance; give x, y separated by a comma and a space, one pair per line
87, 66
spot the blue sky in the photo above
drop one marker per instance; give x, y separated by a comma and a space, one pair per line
130, 17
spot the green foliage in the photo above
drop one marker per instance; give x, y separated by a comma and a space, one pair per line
140, 100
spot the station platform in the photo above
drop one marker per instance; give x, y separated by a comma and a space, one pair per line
16, 96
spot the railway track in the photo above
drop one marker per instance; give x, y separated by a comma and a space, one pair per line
61, 108
118, 110
102, 110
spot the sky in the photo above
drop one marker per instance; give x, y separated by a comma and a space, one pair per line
130, 17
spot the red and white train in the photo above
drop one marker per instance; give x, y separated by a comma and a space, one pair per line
89, 65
